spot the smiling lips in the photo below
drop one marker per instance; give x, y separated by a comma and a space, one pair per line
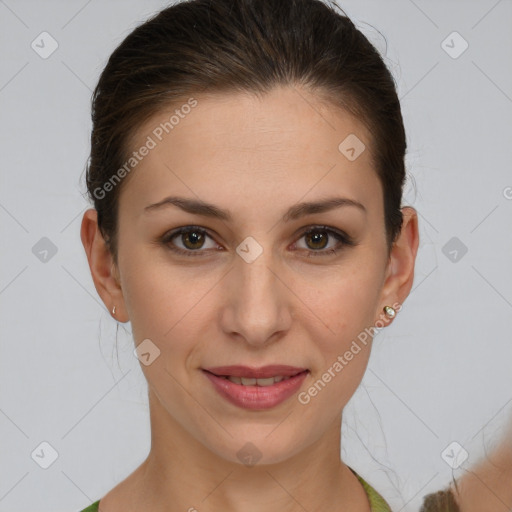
256, 388
263, 372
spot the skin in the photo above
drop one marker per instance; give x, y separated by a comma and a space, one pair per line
487, 485
255, 158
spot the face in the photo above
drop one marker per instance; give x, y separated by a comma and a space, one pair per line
265, 283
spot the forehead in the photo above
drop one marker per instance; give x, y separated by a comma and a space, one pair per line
237, 148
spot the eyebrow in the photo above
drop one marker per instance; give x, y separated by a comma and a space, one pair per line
198, 207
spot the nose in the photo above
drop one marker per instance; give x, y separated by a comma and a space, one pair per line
256, 301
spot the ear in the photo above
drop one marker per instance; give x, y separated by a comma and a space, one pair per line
400, 268
101, 264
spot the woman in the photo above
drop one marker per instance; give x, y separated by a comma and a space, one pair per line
246, 171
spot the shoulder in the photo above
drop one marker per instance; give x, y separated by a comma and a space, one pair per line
93, 507
377, 502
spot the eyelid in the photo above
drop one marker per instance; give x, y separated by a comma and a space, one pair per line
169, 236
344, 240
342, 237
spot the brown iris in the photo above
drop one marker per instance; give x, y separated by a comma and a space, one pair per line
316, 236
195, 237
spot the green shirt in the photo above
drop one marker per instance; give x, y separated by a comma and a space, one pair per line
377, 502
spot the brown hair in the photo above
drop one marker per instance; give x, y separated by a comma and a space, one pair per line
247, 46
441, 501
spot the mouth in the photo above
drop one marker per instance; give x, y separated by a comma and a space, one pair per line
256, 388
253, 381
250, 376
248, 381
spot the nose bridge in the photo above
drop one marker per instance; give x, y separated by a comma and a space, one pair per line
256, 278
257, 304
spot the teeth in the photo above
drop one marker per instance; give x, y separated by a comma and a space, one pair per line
256, 382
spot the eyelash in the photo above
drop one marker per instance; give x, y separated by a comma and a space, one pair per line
343, 240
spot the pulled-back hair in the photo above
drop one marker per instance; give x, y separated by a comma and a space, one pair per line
250, 46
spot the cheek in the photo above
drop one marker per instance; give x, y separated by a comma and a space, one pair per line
164, 301
152, 294
347, 306
344, 348
348, 301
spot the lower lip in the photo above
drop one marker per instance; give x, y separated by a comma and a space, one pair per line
256, 397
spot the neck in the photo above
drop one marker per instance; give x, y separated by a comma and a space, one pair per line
181, 474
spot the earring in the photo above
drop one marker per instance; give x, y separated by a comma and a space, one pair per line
389, 311
114, 311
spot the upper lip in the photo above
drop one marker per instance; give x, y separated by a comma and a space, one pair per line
256, 373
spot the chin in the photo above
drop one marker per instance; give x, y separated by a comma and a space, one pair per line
258, 448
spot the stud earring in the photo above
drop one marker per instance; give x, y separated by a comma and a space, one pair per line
389, 311
114, 311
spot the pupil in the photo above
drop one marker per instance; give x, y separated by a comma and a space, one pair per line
196, 237
316, 236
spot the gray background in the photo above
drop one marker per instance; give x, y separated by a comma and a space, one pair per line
441, 373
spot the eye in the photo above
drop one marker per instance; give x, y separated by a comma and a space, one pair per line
193, 239
319, 237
